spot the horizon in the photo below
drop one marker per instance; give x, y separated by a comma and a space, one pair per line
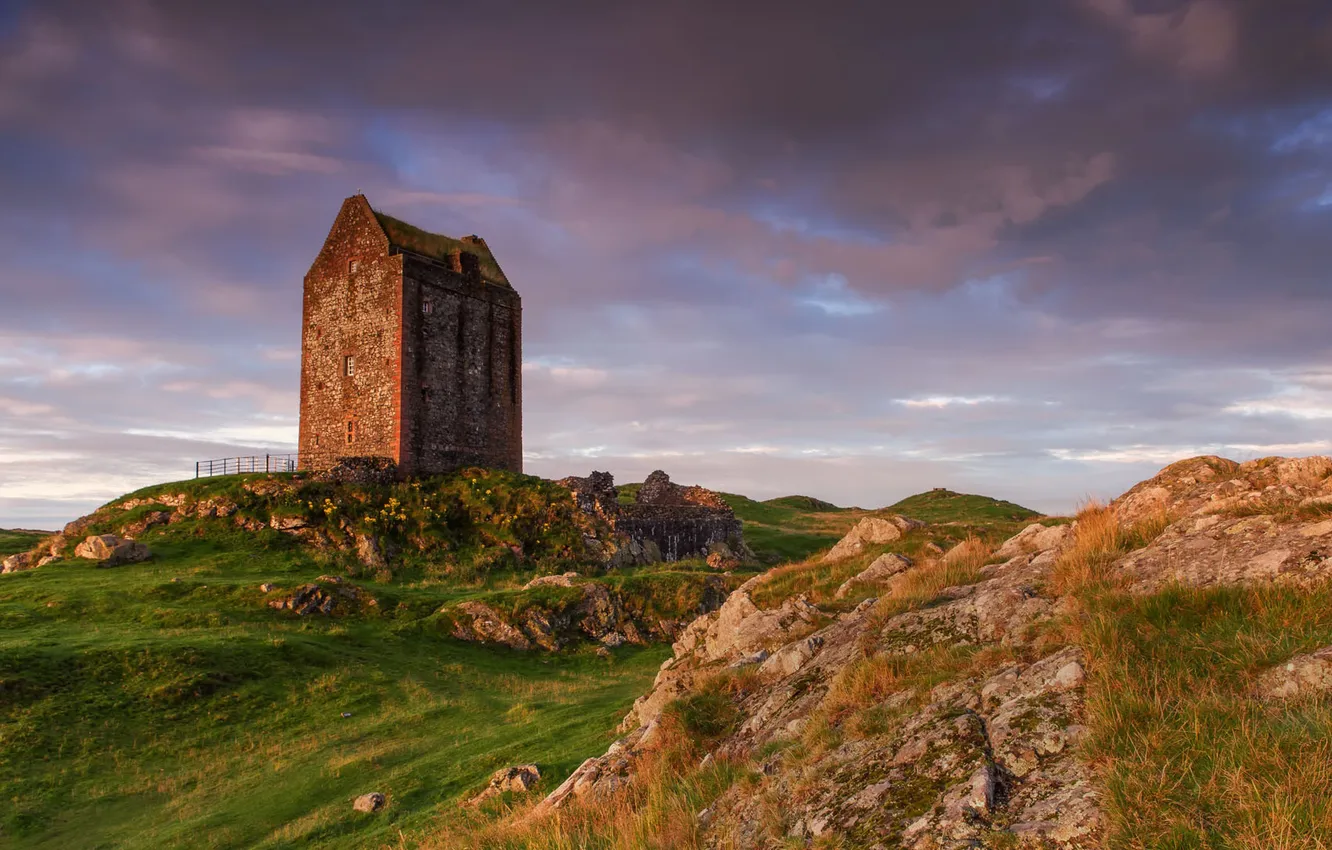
1035, 253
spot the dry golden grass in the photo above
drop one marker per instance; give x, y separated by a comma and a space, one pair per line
1097, 541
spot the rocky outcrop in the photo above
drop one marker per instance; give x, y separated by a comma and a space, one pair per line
329, 595
871, 531
508, 780
1267, 520
112, 551
986, 759
584, 610
879, 571
666, 522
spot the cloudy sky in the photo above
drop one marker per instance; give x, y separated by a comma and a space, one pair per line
1035, 249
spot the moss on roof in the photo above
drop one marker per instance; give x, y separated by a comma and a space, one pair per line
409, 237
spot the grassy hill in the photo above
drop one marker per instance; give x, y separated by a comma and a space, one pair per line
791, 528
165, 704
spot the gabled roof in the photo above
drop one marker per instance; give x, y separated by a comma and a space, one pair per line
408, 237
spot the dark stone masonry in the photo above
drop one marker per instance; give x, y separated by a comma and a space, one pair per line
411, 350
680, 522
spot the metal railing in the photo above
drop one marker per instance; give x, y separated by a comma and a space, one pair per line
240, 464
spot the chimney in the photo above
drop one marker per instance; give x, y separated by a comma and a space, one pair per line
471, 267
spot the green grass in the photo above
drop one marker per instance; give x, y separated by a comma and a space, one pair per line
141, 711
792, 528
13, 542
1189, 760
947, 506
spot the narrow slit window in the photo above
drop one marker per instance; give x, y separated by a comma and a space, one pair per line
427, 307
349, 365
353, 266
351, 431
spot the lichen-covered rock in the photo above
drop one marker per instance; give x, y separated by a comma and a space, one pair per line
1303, 675
880, 570
111, 550
17, 563
316, 598
1034, 538
870, 531
479, 622
369, 803
514, 780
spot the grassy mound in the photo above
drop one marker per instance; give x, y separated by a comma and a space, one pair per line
457, 527
947, 506
792, 528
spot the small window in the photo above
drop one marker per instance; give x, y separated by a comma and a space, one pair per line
316, 441
351, 431
353, 266
427, 307
349, 365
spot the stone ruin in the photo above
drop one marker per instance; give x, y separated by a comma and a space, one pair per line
666, 522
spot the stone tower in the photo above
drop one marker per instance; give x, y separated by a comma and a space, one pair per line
411, 349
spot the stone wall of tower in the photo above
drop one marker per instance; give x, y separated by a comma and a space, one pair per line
352, 309
462, 374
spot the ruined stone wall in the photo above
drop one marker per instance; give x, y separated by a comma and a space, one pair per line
352, 308
681, 531
680, 522
462, 380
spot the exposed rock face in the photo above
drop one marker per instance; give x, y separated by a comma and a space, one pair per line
666, 522
988, 759
871, 531
1266, 520
17, 563
111, 550
316, 598
1034, 538
883, 568
514, 780
592, 611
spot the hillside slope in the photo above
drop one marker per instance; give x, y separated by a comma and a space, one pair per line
193, 699
1153, 675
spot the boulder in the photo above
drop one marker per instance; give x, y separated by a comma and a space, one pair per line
513, 780
1034, 538
870, 531
372, 802
15, 563
111, 550
883, 568
1302, 675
